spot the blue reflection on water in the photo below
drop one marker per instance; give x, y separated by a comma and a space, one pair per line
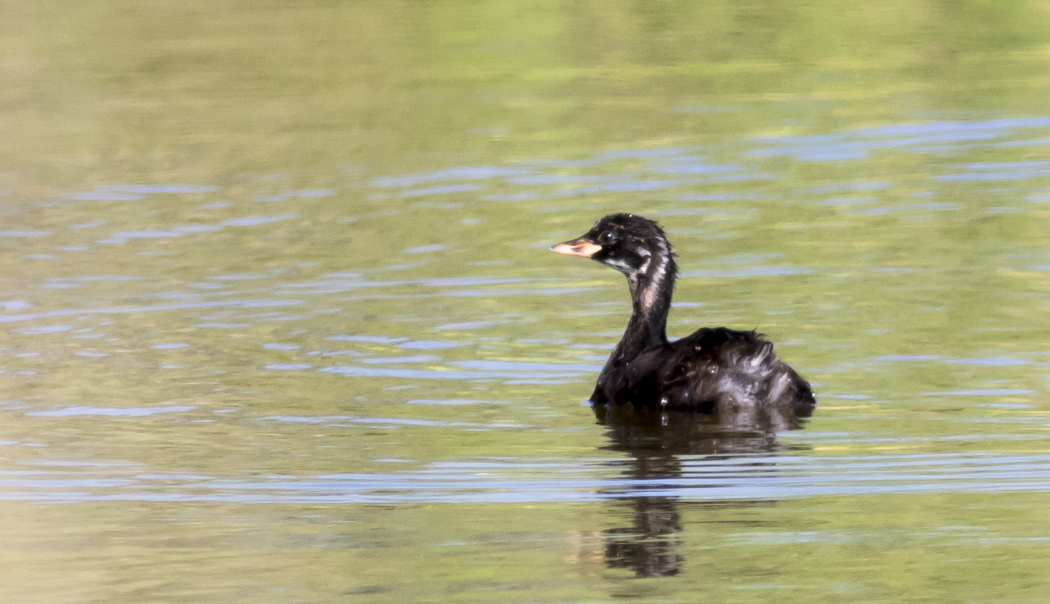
462, 173
25, 234
918, 137
257, 220
154, 308
81, 410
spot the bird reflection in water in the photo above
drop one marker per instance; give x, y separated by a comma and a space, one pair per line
656, 441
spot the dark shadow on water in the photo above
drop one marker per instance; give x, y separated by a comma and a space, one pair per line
657, 441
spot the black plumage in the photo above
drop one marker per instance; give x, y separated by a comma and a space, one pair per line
715, 370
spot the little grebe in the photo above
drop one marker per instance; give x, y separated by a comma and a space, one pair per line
715, 370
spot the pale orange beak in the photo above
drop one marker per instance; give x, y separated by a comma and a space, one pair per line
581, 246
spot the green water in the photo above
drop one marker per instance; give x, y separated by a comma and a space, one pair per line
278, 322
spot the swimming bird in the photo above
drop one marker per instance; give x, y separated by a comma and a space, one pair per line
715, 370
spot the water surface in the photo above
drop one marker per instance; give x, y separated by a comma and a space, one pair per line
278, 322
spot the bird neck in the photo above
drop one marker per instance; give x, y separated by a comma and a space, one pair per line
651, 290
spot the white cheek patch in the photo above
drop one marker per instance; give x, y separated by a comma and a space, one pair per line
656, 276
651, 274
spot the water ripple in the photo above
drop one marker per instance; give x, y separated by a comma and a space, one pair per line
158, 307
502, 480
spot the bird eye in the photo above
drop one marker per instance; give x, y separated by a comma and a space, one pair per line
607, 237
